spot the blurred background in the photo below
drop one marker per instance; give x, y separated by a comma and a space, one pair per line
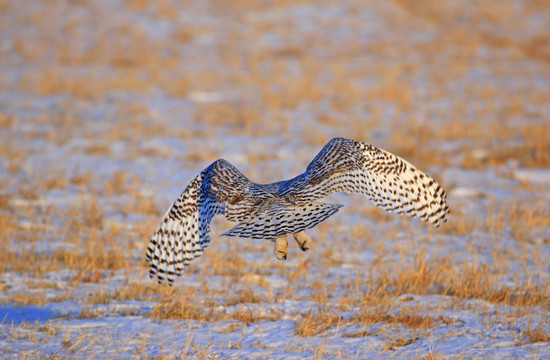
108, 108
438, 82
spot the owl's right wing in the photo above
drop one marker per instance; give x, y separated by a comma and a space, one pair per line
389, 181
184, 231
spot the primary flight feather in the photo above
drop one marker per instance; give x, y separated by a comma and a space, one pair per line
271, 211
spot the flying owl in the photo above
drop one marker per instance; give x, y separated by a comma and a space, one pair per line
271, 211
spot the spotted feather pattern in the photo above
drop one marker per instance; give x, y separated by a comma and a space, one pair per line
280, 218
268, 211
184, 232
390, 182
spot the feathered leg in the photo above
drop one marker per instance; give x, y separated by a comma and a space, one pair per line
303, 241
281, 248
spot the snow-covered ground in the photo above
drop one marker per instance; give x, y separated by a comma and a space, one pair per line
109, 108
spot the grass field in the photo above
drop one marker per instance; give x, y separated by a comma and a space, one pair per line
109, 108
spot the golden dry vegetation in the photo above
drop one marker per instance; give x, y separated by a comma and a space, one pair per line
107, 109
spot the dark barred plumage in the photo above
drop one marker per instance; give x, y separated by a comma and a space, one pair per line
269, 211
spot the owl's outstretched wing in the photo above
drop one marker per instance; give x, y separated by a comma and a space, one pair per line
392, 183
184, 231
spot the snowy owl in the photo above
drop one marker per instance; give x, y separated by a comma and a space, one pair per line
271, 211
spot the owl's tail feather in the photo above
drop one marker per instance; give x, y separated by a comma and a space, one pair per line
278, 218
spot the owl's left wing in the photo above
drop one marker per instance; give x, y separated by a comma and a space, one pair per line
184, 231
390, 182
183, 234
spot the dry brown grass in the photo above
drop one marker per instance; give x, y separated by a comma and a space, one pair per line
408, 318
400, 342
525, 221
399, 94
183, 308
245, 296
25, 299
475, 281
315, 323
88, 313
229, 263
538, 334
190, 308
143, 292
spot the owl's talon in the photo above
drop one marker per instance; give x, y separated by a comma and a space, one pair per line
303, 241
281, 248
